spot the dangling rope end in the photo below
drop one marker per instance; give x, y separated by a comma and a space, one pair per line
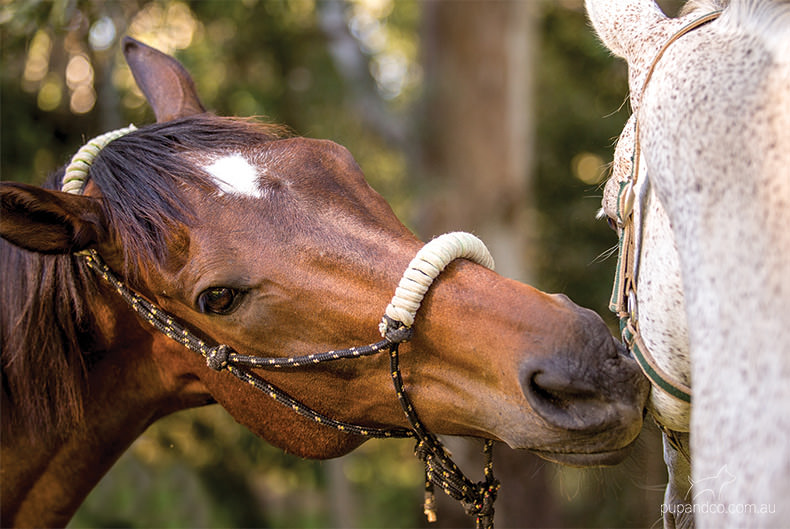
429, 507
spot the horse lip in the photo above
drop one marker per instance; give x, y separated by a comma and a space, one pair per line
604, 458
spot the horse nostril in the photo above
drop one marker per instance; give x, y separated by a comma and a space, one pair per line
562, 401
555, 390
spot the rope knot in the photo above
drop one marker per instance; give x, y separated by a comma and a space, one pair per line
395, 331
217, 357
483, 506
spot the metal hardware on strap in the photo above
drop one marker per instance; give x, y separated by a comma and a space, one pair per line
624, 302
656, 375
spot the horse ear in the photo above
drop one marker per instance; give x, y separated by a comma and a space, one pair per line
46, 221
166, 84
624, 25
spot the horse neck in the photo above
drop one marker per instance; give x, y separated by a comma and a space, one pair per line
46, 475
46, 478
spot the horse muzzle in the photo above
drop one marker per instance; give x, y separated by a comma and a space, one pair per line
593, 396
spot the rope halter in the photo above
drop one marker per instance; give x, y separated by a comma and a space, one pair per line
396, 327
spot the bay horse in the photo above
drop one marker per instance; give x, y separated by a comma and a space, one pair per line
700, 194
226, 231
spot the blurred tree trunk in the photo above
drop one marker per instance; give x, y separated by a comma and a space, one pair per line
475, 166
478, 125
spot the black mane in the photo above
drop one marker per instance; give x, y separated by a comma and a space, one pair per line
45, 321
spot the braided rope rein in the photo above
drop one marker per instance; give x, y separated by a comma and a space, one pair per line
396, 327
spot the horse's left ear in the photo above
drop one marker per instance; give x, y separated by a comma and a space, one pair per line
624, 26
167, 86
46, 221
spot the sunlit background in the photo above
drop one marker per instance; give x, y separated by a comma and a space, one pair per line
497, 118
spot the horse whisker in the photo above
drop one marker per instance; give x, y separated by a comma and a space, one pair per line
606, 254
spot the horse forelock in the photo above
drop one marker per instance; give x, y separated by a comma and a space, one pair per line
142, 176
767, 19
703, 6
46, 321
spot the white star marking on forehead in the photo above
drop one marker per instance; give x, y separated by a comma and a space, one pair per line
233, 174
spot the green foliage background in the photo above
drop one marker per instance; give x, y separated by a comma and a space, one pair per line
272, 58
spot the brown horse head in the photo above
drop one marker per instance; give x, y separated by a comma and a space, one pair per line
277, 247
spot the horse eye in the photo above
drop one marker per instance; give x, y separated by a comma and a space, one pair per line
219, 300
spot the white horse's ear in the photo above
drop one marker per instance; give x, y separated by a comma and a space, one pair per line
624, 25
